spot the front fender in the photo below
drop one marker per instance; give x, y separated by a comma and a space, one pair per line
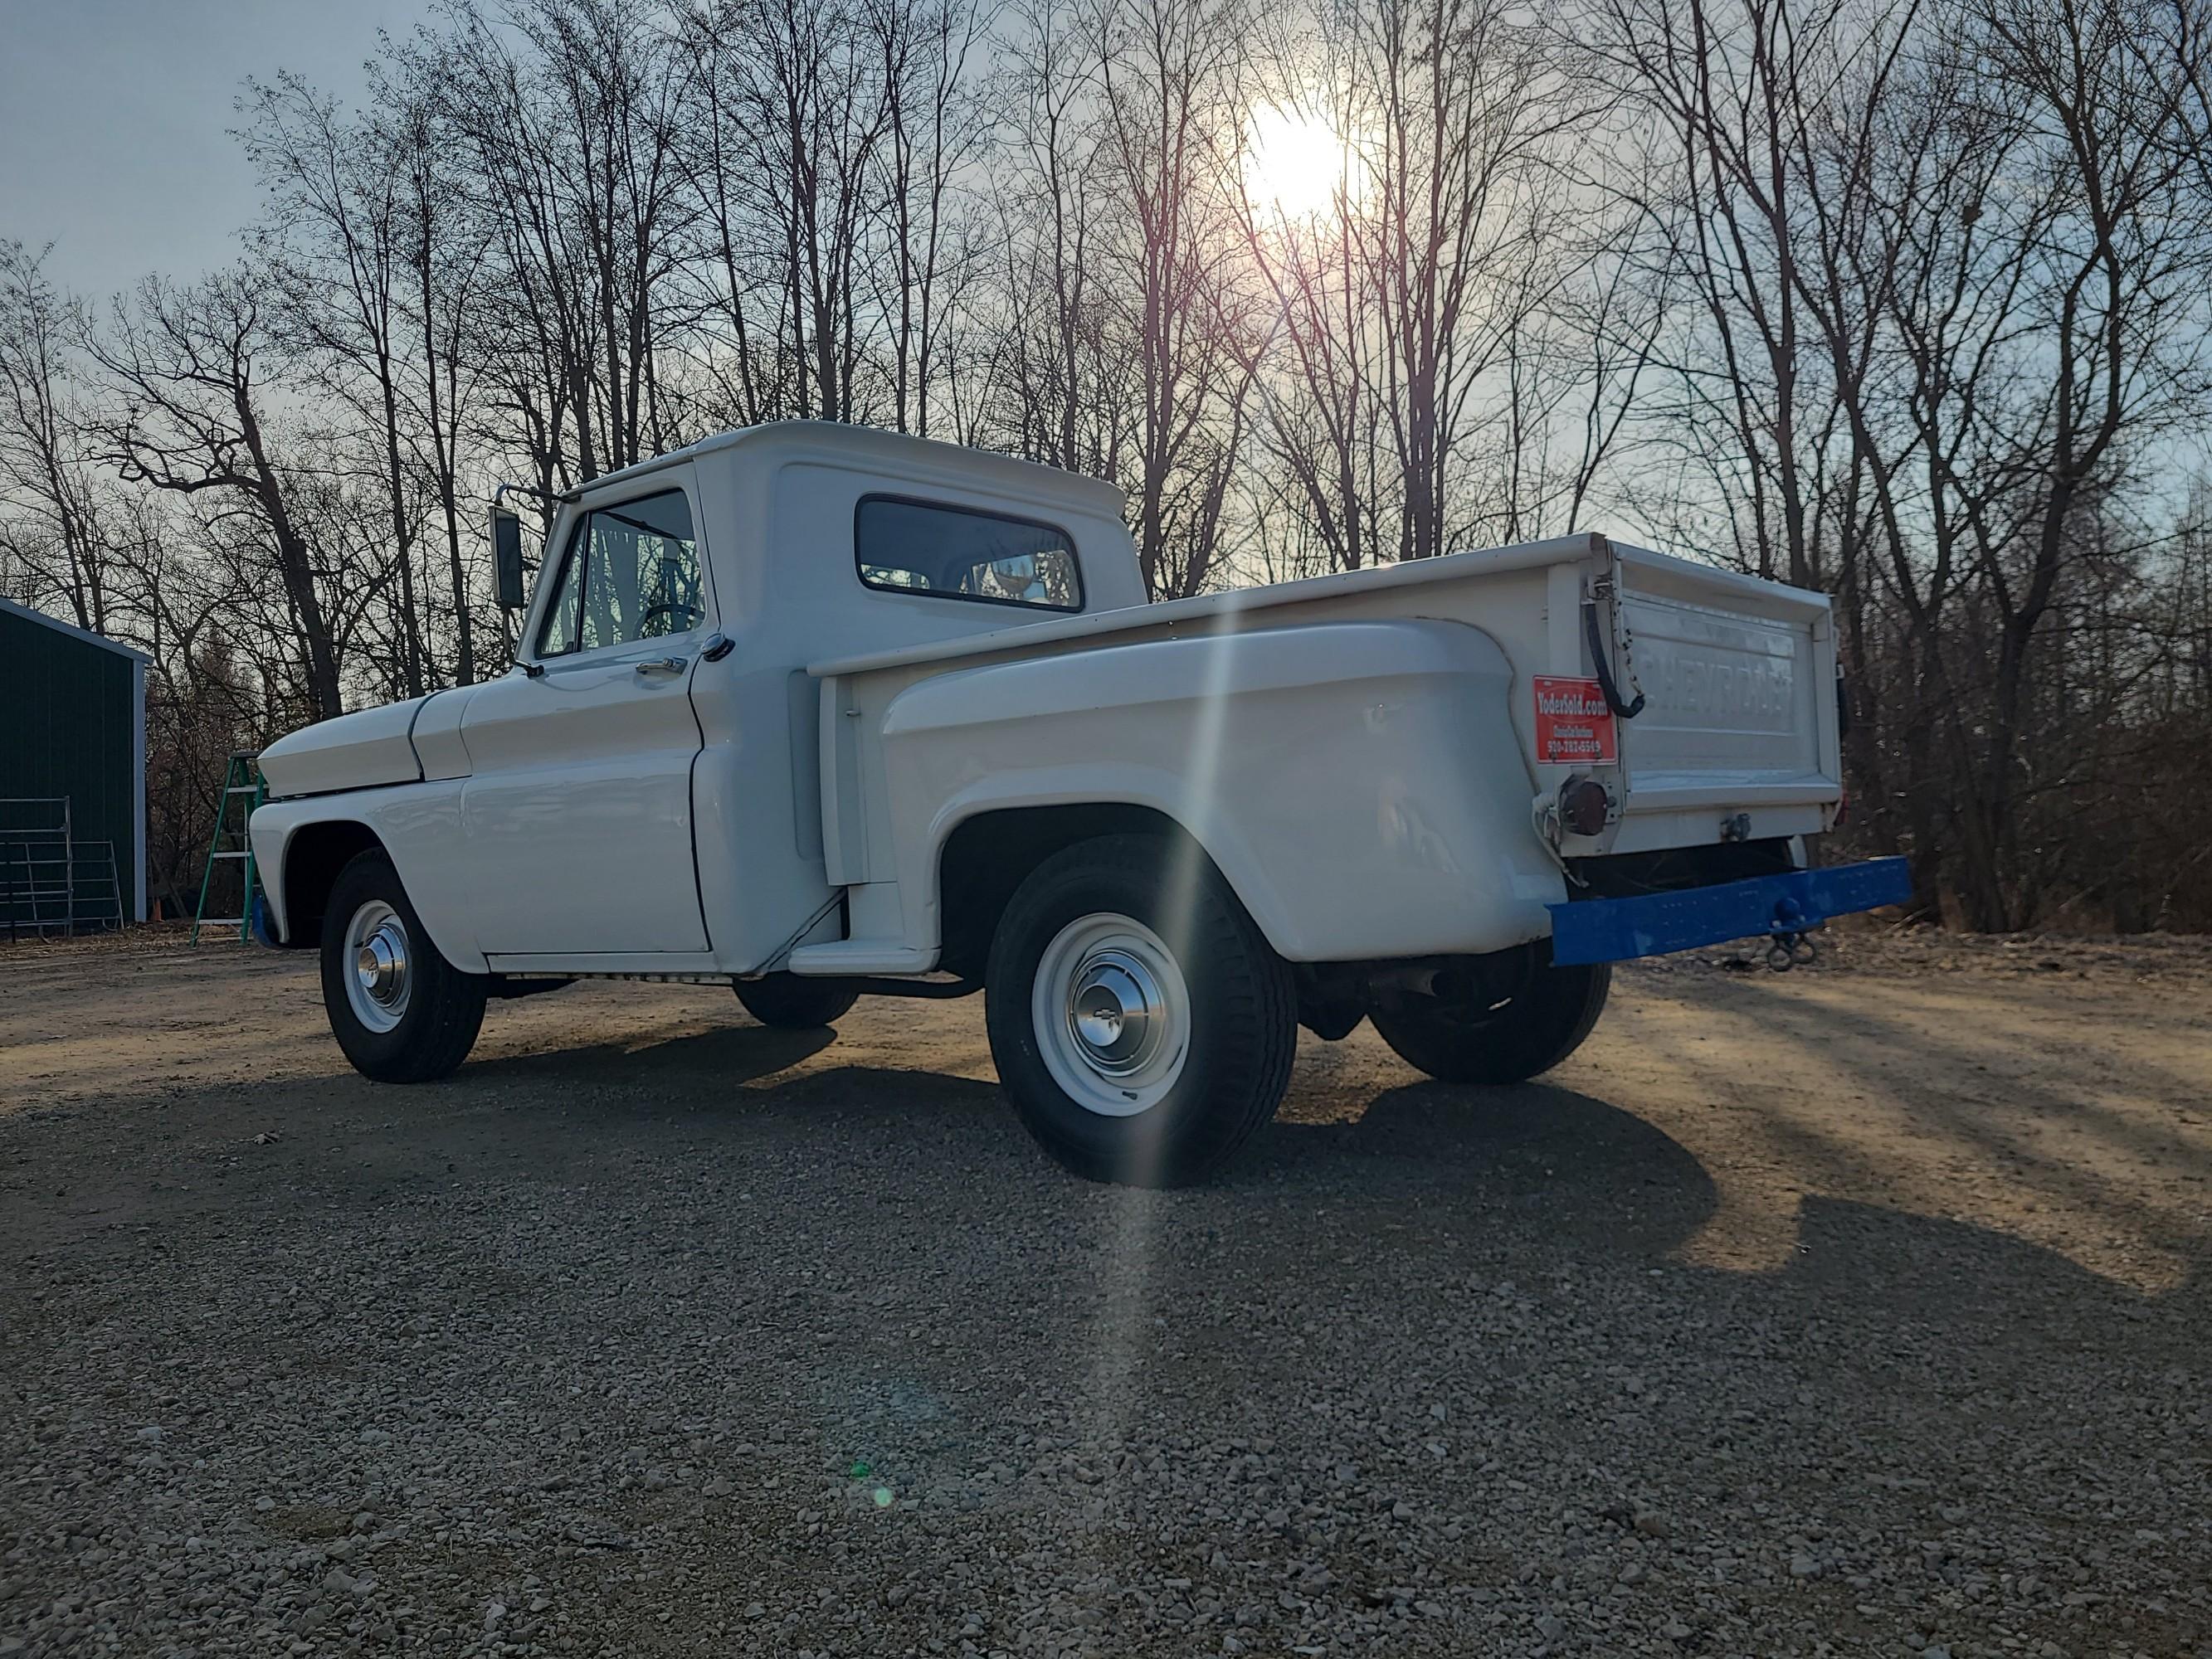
1359, 784
419, 827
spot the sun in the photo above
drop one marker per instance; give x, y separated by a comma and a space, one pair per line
1293, 163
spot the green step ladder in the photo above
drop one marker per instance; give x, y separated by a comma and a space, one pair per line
241, 778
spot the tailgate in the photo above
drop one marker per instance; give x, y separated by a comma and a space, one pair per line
1738, 677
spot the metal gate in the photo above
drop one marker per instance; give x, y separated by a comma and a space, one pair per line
51, 882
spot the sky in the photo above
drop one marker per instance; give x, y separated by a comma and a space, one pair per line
115, 116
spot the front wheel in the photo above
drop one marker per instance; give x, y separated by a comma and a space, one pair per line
1480, 1040
1142, 1026
401, 1012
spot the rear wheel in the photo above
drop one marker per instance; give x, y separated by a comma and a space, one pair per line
1142, 1026
401, 1012
1508, 1041
792, 1003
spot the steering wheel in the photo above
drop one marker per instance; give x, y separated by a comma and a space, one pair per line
668, 607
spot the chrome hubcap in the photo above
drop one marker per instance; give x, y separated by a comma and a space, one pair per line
1111, 1013
382, 965
376, 942
1116, 1010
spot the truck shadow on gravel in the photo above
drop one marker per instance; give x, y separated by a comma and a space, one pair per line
1464, 1182
1578, 1164
726, 1056
1581, 1165
1534, 1168
1533, 1164
1950, 1277
1573, 1164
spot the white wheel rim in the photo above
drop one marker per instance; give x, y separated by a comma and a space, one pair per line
1111, 1013
378, 973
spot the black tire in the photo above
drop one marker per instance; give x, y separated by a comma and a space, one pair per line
1241, 1004
791, 1002
1529, 1032
444, 1006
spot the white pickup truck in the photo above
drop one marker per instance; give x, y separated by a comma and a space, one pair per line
818, 712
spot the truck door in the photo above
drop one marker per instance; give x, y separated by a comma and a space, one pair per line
576, 816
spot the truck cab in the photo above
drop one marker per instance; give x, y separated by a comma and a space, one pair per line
814, 710
651, 761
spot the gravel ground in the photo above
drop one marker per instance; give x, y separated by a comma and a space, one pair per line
1861, 1309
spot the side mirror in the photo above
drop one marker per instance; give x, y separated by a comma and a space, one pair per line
507, 557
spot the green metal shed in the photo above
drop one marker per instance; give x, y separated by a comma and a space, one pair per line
73, 727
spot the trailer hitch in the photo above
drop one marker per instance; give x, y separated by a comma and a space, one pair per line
1790, 944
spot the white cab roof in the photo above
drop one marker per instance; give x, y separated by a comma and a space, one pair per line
893, 451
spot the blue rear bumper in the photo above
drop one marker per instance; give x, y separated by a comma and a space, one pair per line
1615, 929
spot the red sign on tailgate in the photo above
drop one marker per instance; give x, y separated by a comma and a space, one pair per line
1573, 725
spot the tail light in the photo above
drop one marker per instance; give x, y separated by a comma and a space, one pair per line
1584, 806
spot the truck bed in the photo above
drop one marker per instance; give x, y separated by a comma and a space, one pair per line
1736, 737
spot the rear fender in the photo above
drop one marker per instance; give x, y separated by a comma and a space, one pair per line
1359, 784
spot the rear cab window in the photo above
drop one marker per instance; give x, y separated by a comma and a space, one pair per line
904, 545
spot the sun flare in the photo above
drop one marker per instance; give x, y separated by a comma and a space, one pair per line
1294, 162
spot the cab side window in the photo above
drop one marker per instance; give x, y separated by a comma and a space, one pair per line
631, 574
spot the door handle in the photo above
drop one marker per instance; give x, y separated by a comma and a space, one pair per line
661, 667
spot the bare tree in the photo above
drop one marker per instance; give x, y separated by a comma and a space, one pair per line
59, 534
1170, 76
796, 95
190, 371
934, 128
1419, 373
1057, 384
446, 250
334, 242
570, 115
